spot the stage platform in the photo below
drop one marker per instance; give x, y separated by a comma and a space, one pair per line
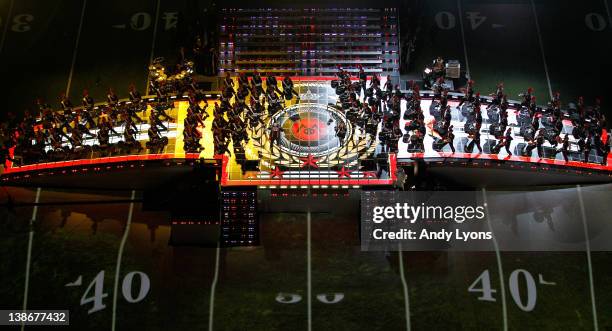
308, 154
462, 138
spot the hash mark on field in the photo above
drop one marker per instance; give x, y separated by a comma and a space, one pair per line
213, 286
608, 12
500, 268
119, 256
5, 30
29, 256
465, 54
588, 251
404, 287
535, 16
153, 44
75, 50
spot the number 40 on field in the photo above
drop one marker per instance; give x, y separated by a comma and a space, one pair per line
97, 285
482, 285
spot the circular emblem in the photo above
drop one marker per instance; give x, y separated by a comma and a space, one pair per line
309, 128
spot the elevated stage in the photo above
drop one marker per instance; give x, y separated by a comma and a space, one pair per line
502, 169
308, 153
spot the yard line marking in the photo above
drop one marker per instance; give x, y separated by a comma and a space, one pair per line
213, 286
535, 16
608, 12
119, 255
588, 247
153, 44
76, 48
465, 54
500, 269
405, 288
29, 256
309, 271
6, 24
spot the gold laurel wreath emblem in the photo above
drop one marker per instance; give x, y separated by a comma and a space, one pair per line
347, 155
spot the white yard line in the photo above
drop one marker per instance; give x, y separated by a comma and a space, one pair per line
29, 255
465, 54
405, 288
75, 51
500, 269
153, 43
588, 251
119, 256
537, 23
6, 24
309, 270
213, 287
608, 12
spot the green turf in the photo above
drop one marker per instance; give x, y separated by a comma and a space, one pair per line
575, 55
36, 63
65, 247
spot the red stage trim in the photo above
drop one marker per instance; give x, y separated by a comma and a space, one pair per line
311, 182
100, 161
307, 78
308, 182
224, 173
514, 158
317, 78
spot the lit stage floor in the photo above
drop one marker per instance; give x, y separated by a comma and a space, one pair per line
488, 140
308, 153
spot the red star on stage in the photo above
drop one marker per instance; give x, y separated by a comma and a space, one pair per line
370, 174
310, 161
343, 173
276, 173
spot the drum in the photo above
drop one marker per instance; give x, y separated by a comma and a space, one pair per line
415, 145
527, 132
410, 126
551, 136
523, 117
493, 115
440, 129
547, 121
438, 144
467, 110
470, 127
496, 130
435, 110
578, 133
